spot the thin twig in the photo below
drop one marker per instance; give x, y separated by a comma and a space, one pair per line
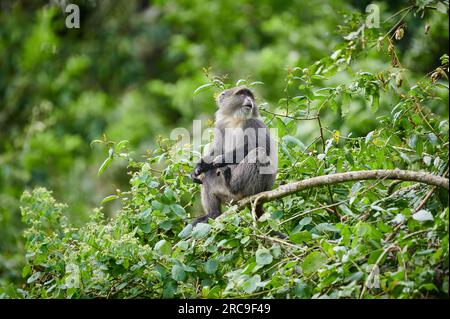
419, 109
283, 242
289, 116
375, 266
428, 195
326, 166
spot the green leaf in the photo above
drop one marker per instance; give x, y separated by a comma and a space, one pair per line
422, 215
303, 290
104, 165
263, 257
34, 277
345, 105
405, 157
442, 8
26, 271
121, 145
369, 136
433, 139
333, 105
201, 230
412, 141
109, 198
375, 102
427, 160
277, 214
252, 284
305, 221
313, 262
157, 205
293, 141
166, 225
96, 142
145, 216
169, 194
349, 157
373, 257
202, 88
326, 227
122, 285
355, 188
300, 237
169, 289
178, 273
178, 209
186, 231
429, 287
211, 266
356, 276
214, 292
163, 247
146, 228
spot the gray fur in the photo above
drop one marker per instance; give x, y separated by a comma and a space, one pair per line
224, 180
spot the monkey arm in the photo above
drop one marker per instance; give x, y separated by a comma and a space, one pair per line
209, 162
224, 159
232, 157
237, 155
205, 164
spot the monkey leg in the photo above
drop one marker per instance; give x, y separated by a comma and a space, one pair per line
247, 178
213, 191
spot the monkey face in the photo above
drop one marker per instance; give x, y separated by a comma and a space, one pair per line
238, 101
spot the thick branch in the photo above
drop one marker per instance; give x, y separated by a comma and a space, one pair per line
294, 187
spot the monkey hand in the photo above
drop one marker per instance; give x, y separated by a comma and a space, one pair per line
198, 170
195, 175
195, 179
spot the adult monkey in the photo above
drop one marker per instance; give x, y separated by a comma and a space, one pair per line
243, 160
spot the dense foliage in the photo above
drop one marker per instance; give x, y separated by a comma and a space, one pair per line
342, 98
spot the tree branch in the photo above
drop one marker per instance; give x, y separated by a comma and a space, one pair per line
331, 179
428, 195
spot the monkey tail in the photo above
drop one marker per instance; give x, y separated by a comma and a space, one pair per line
278, 234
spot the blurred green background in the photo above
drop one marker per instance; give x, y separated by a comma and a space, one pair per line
130, 72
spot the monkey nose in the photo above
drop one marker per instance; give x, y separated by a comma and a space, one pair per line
248, 103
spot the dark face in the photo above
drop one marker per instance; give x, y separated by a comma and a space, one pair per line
239, 100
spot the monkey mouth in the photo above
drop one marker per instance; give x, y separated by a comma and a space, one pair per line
247, 107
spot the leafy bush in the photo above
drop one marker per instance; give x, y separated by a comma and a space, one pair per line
150, 250
358, 108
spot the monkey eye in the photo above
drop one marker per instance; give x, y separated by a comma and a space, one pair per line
222, 94
245, 92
